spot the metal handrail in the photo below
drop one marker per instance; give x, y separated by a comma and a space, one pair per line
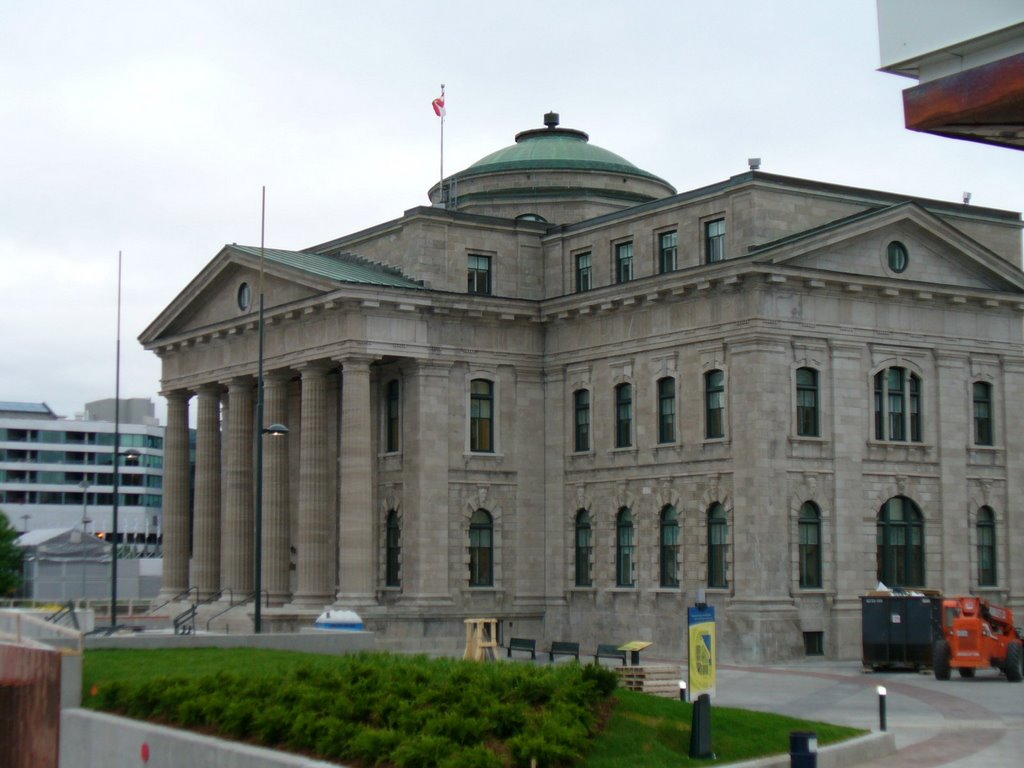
185, 622
231, 606
21, 619
176, 598
67, 610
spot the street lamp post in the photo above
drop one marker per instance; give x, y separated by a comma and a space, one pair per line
84, 485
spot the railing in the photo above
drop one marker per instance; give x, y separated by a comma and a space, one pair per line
178, 597
231, 606
67, 610
26, 629
185, 622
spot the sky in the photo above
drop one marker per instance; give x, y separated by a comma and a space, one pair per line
149, 128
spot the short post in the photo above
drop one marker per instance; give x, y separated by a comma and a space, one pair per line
803, 749
682, 690
881, 707
700, 728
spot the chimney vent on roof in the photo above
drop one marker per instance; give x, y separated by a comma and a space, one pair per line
754, 163
967, 198
551, 119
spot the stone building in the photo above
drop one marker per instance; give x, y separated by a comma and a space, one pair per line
568, 397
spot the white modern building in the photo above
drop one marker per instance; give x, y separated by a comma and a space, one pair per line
57, 473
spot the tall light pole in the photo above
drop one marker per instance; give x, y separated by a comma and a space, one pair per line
84, 485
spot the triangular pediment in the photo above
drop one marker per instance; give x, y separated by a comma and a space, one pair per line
937, 253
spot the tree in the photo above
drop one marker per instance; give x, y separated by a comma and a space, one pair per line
10, 558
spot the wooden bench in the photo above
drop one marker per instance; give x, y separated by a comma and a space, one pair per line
562, 648
526, 645
610, 652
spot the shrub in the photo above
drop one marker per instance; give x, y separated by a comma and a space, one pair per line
373, 745
477, 756
423, 751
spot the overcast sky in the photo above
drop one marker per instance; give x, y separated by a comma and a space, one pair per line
149, 128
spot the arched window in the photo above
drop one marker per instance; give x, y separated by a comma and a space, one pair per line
900, 537
810, 546
898, 405
718, 546
986, 528
714, 404
481, 549
667, 410
481, 416
392, 576
983, 413
807, 403
584, 549
624, 549
669, 546
623, 416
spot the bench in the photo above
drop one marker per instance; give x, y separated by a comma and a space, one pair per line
610, 652
562, 648
526, 645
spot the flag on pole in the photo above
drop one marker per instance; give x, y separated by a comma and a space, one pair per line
438, 104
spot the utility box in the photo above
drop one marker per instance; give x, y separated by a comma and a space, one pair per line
898, 631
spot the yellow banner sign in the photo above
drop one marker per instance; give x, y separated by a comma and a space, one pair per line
702, 663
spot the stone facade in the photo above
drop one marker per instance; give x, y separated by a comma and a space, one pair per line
439, 452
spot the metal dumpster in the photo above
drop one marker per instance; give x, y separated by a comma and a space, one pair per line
898, 630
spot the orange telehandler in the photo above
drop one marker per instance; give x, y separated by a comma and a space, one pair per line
977, 634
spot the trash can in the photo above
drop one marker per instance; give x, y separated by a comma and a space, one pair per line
803, 749
899, 630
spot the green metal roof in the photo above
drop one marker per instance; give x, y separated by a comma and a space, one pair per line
343, 267
554, 149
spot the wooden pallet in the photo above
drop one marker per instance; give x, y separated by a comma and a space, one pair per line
655, 679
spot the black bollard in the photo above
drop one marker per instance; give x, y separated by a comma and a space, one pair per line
803, 749
700, 728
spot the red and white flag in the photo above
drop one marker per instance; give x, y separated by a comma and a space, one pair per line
438, 105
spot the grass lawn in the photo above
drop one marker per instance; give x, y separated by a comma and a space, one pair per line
414, 712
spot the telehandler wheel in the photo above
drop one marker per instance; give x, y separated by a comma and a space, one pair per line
940, 660
1014, 661
966, 671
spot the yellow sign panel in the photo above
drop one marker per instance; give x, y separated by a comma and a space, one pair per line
702, 666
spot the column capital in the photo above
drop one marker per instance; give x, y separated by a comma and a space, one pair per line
312, 367
354, 362
177, 395
242, 381
210, 388
278, 376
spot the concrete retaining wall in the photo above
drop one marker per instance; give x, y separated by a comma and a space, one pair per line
313, 641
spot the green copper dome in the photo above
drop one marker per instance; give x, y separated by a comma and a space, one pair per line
553, 148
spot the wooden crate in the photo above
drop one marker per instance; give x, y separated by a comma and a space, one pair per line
655, 679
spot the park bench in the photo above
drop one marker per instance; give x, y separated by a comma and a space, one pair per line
562, 648
610, 652
526, 645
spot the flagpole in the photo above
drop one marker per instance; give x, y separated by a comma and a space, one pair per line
443, 201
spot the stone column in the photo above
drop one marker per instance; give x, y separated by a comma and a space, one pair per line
947, 538
315, 558
236, 543
275, 489
176, 524
206, 544
356, 547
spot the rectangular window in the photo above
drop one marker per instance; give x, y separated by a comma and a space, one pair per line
480, 275
814, 643
581, 406
623, 416
714, 393
982, 413
623, 262
807, 402
668, 249
896, 404
584, 276
393, 423
667, 410
481, 416
714, 241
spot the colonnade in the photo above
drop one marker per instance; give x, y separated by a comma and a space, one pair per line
333, 541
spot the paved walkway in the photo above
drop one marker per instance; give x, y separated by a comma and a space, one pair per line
957, 723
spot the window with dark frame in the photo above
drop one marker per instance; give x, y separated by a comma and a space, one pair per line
897, 405
623, 262
481, 416
481, 549
900, 540
669, 549
668, 251
714, 404
623, 416
986, 530
810, 546
718, 547
983, 413
392, 576
807, 403
581, 409
584, 274
393, 410
666, 410
714, 241
624, 548
584, 549
480, 274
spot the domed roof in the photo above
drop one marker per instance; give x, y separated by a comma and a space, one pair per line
553, 148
